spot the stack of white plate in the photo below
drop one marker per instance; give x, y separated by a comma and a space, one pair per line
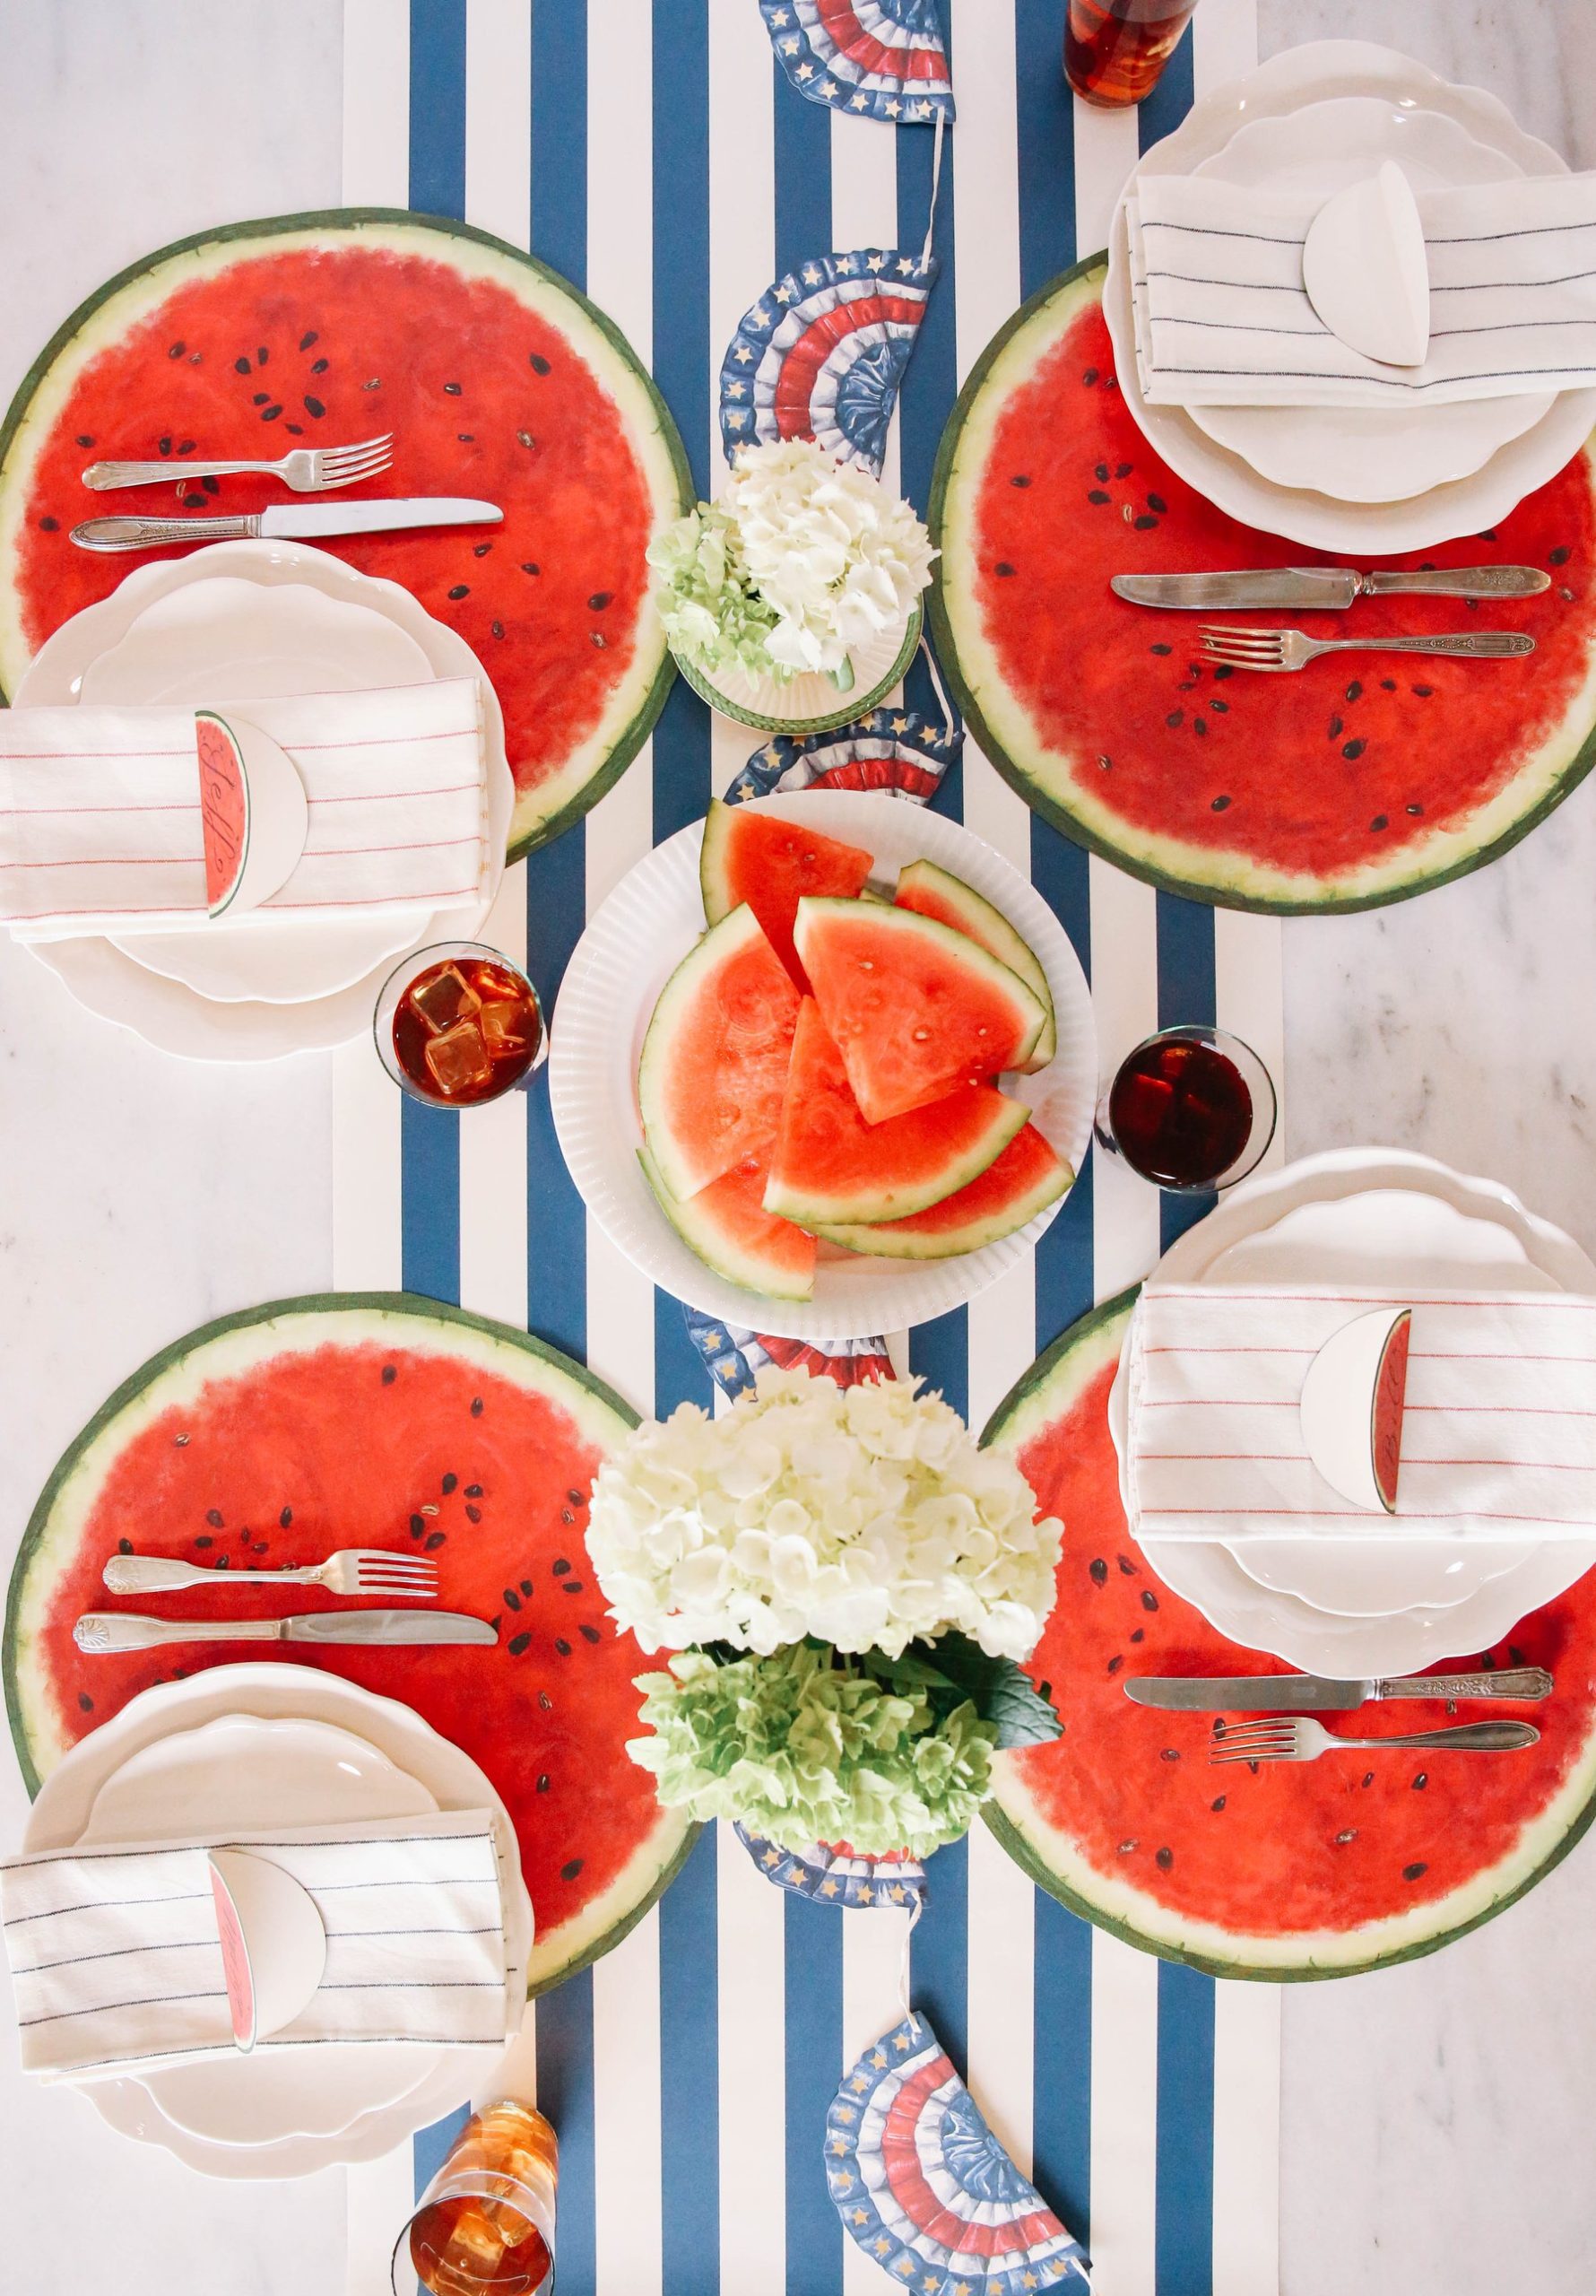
241, 622
1383, 1604
1358, 481
252, 1747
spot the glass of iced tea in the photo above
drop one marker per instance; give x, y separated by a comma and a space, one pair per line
485, 2224
1114, 49
459, 1024
1189, 1108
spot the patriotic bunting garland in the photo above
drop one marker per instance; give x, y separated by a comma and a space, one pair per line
876, 59
829, 1875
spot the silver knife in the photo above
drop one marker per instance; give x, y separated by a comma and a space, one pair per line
100, 1630
287, 521
1313, 1694
1331, 588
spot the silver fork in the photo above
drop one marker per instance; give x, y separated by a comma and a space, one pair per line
1285, 1738
307, 470
1293, 649
352, 1570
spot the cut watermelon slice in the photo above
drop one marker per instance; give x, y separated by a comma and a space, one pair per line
771, 863
385, 1420
714, 1060
930, 891
1024, 1180
913, 1007
727, 1225
831, 1167
1300, 1872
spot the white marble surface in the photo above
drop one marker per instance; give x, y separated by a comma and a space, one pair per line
1434, 2115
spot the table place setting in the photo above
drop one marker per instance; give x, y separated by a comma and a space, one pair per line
726, 1489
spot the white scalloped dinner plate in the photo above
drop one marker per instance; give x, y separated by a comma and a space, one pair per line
633, 944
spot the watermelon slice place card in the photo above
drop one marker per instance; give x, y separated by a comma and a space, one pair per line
253, 812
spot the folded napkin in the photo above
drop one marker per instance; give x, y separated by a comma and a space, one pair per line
1498, 1435
99, 813
116, 1963
1222, 318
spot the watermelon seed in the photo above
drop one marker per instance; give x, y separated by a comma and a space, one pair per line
599, 600
1254, 1768
1225, 670
1114, 1664
1160, 648
390, 1372
285, 1518
542, 1784
526, 438
1420, 1781
530, 566
241, 366
1139, 1634
261, 398
1223, 707
1217, 1803
1127, 1568
566, 1515
1145, 522
527, 1586
466, 438
85, 1701
180, 1441
1380, 822
545, 1701
1515, 1656
1424, 691
476, 1407
418, 1523
1157, 502
222, 1562
576, 1496
569, 1870
1019, 480
1350, 749
1095, 495
497, 628
1368, 1778
1122, 470
1200, 725
49, 525
1176, 718
572, 1587
1150, 1601
1186, 684
1558, 557
374, 385
519, 1643
497, 1620
318, 366
176, 350
314, 409
211, 485
461, 590
1336, 725
194, 358
85, 439
481, 549
193, 501
560, 1567
213, 1516
1170, 1753
450, 1482
262, 355
1163, 1860
1219, 805
1565, 593
1125, 1848
1089, 377
306, 340
453, 389
1342, 1838
270, 414
562, 1646
1104, 763
473, 1491
433, 1541
537, 363
124, 1546
185, 445
1414, 1873
589, 1633
1388, 685
512, 1599
1355, 689
473, 1514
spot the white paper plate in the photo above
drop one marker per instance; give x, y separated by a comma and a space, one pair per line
1210, 1576
1299, 76
283, 1692
633, 944
165, 1013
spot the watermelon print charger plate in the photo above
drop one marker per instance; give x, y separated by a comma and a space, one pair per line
374, 1420
1348, 785
497, 379
1295, 1871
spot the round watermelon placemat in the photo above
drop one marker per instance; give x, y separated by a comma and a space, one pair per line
1348, 785
372, 1420
497, 379
1309, 1870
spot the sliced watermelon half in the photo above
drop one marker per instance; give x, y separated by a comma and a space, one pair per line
771, 862
727, 1225
913, 1007
831, 1167
714, 1067
930, 891
1024, 1179
1304, 1870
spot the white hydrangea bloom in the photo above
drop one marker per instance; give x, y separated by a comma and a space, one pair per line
865, 1517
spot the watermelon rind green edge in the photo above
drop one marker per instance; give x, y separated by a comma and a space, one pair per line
525, 835
877, 1241
987, 925
699, 1234
410, 1307
1405, 878
734, 931
1044, 1394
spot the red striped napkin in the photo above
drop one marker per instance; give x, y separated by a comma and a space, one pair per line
99, 813
1498, 1435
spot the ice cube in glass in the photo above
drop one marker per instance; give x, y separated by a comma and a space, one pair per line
444, 999
459, 1060
503, 1028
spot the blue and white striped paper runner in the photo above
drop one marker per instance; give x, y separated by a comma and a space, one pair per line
651, 151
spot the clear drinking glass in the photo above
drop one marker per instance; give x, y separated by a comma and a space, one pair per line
485, 2224
458, 1025
1189, 1108
1115, 49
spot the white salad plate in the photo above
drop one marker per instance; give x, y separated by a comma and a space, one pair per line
1289, 83
1380, 454
391, 1733
169, 1013
1233, 1245
634, 943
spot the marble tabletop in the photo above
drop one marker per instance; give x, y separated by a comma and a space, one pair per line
1432, 2113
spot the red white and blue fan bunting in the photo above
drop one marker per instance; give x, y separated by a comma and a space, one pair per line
822, 353
733, 1354
832, 1875
878, 59
893, 748
925, 2188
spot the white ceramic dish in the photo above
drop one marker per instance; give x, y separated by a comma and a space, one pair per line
165, 1013
283, 1692
1262, 1618
810, 704
227, 641
1357, 454
630, 948
1315, 73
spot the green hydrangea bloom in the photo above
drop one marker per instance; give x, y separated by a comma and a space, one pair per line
711, 610
803, 1745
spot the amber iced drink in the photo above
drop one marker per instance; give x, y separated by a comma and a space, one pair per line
458, 1025
1115, 49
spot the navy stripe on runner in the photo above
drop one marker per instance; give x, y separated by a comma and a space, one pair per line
1183, 2264
812, 1973
437, 106
429, 1199
689, 2071
938, 1951
1047, 141
1062, 2031
565, 2098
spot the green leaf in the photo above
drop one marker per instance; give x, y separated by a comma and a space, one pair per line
1001, 1692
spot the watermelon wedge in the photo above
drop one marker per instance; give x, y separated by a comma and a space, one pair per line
831, 1167
714, 1068
727, 1225
914, 1007
930, 891
496, 378
1023, 1180
224, 808
1300, 1870
1296, 794
771, 863
386, 1421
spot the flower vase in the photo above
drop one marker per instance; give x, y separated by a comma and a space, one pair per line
817, 700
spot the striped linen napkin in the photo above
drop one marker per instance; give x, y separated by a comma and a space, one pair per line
100, 814
1498, 1433
1222, 318
116, 1963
